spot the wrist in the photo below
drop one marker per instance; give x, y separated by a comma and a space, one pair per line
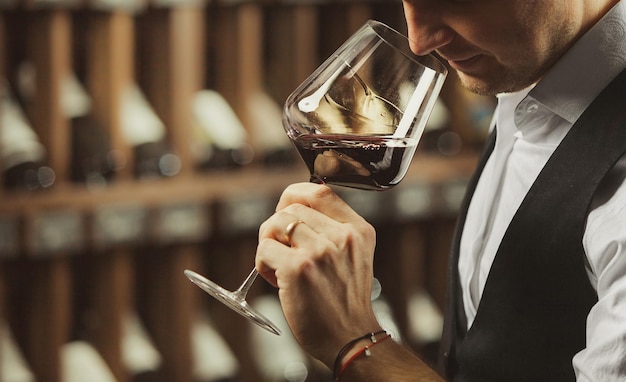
356, 348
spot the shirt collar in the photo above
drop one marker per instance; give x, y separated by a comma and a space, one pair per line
579, 76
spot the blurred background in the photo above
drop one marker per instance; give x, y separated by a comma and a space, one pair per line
142, 138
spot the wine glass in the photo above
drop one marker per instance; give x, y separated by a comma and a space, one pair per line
356, 122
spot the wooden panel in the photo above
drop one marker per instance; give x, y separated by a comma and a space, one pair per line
236, 36
339, 21
43, 326
39, 311
440, 234
167, 301
109, 55
106, 284
49, 41
170, 69
3, 67
2, 303
291, 47
109, 61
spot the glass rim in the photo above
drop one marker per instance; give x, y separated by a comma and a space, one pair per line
429, 60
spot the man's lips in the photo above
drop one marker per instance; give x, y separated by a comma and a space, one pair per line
464, 64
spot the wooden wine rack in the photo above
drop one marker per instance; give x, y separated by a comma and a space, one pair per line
71, 249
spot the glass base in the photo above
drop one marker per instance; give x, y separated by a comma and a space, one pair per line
233, 300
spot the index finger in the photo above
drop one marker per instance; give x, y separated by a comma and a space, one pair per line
320, 198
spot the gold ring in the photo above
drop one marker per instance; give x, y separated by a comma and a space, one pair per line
290, 228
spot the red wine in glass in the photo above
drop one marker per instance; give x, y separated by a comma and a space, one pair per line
370, 163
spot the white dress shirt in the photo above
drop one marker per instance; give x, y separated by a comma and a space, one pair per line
530, 125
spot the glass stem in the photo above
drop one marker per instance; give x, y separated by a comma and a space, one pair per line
242, 291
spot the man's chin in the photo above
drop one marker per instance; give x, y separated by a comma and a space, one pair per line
490, 85
478, 85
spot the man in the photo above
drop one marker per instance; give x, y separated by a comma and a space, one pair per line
538, 269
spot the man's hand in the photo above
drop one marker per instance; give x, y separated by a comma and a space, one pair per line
323, 268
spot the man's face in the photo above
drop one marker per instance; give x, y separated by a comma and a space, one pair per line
496, 45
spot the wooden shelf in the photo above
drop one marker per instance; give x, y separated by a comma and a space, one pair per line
430, 170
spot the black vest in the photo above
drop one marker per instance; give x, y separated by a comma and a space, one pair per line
531, 318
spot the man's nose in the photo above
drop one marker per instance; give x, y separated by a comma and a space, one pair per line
427, 30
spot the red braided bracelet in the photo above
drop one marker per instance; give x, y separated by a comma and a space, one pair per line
364, 351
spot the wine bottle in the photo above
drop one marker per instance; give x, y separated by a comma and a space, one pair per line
212, 360
279, 358
21, 153
220, 139
139, 355
145, 132
13, 366
428, 319
93, 160
80, 362
273, 145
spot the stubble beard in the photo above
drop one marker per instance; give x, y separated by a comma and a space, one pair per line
503, 81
